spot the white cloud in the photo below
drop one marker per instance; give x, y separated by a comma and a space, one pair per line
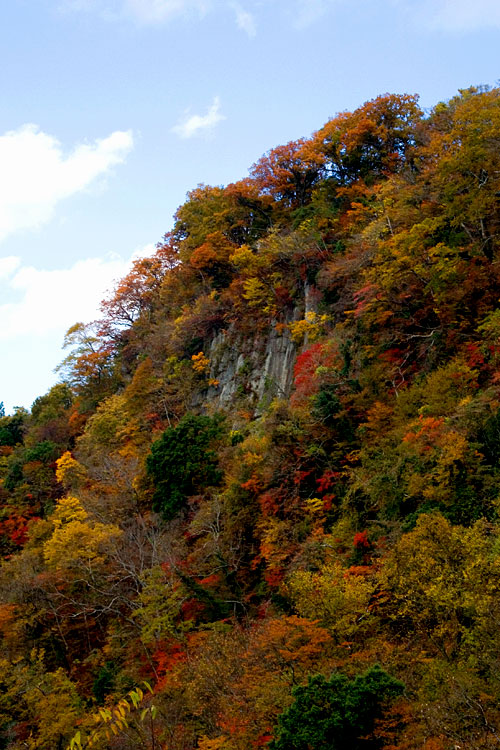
36, 175
244, 20
193, 125
48, 301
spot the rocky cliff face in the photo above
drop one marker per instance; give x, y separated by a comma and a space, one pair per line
257, 368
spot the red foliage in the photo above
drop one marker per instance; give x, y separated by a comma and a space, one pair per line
393, 356
475, 357
263, 739
327, 480
15, 528
328, 501
306, 378
307, 362
234, 726
427, 434
299, 476
251, 485
211, 580
167, 657
363, 297
361, 541
282, 295
288, 173
268, 504
192, 609
274, 577
306, 384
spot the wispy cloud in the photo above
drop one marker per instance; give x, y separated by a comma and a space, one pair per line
450, 16
244, 20
307, 12
194, 125
446, 15
142, 11
159, 11
153, 12
36, 175
463, 15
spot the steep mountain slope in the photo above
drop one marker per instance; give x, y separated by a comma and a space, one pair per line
268, 484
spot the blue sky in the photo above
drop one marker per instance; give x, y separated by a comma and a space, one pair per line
113, 109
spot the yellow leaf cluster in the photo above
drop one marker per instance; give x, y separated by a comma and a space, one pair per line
78, 540
341, 601
256, 293
217, 743
312, 326
69, 472
201, 364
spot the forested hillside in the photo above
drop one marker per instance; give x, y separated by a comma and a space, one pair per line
261, 507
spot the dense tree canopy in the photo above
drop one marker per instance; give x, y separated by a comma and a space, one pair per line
261, 507
181, 462
336, 713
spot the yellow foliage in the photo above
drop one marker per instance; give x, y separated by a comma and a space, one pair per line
340, 600
201, 364
378, 417
314, 505
69, 472
256, 293
68, 509
275, 542
445, 580
217, 743
104, 429
77, 539
252, 459
160, 602
47, 701
246, 260
312, 326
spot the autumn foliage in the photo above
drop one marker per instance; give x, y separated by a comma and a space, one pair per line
267, 484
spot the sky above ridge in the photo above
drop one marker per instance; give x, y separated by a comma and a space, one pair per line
113, 109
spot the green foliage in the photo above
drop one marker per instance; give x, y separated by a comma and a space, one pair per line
337, 713
104, 681
326, 404
12, 428
50, 406
183, 463
46, 452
